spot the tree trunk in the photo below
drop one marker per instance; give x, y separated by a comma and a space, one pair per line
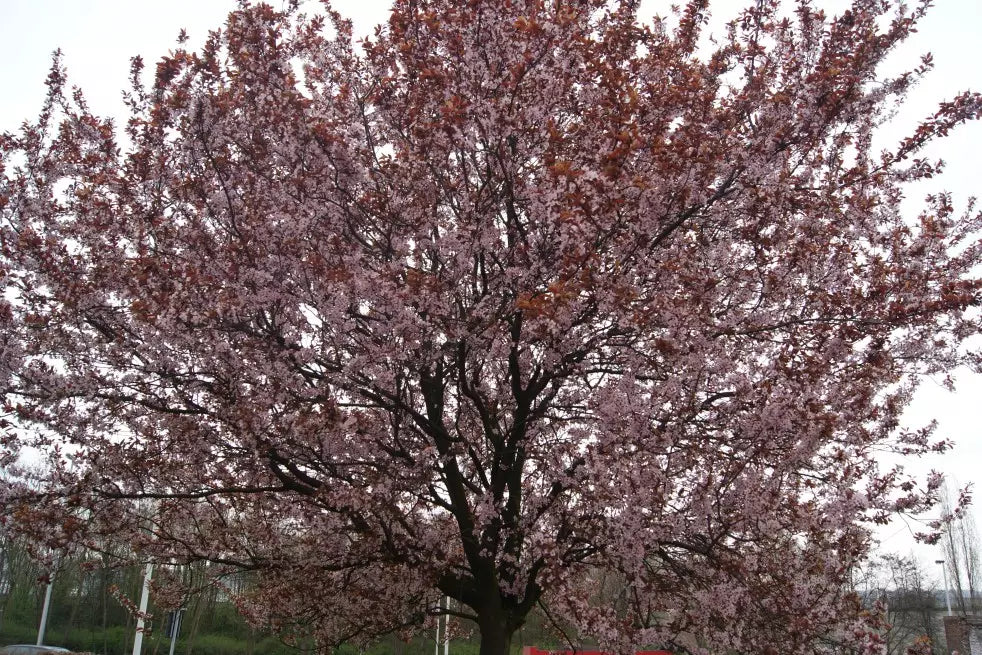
251, 643
104, 600
195, 623
496, 631
73, 615
3, 575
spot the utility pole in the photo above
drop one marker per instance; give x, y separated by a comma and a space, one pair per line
175, 628
436, 639
443, 604
446, 626
144, 598
44, 609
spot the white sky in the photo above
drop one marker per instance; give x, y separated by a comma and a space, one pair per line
99, 36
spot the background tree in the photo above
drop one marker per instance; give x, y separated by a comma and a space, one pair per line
90, 598
908, 601
961, 552
524, 292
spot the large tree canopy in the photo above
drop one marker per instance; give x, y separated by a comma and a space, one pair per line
517, 296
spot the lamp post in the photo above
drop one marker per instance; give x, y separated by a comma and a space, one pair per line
436, 639
444, 603
47, 600
175, 627
944, 572
44, 610
138, 639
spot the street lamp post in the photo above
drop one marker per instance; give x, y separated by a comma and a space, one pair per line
944, 572
44, 610
47, 601
144, 597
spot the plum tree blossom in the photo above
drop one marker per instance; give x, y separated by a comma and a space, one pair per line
516, 294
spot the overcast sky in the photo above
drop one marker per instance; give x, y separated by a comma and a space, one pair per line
99, 36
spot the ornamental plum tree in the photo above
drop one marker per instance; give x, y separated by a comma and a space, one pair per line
516, 295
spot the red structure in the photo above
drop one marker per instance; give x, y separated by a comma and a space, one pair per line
532, 650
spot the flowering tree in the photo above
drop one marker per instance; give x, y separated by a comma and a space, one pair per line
520, 294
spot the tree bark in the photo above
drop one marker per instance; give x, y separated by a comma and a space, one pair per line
496, 631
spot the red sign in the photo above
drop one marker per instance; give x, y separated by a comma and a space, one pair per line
532, 650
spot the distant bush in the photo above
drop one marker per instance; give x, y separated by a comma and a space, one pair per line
216, 644
17, 633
